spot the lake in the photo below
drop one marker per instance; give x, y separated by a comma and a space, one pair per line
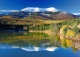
31, 44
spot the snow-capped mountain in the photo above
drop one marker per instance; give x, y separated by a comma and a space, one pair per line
78, 14
38, 13
6, 12
37, 9
31, 9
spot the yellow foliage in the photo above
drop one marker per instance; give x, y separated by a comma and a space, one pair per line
64, 26
62, 40
62, 29
70, 33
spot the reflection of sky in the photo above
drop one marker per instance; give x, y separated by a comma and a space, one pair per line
18, 52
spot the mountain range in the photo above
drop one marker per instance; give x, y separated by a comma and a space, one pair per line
38, 13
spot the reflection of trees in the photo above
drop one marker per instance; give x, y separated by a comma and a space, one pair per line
55, 40
69, 43
66, 43
63, 42
33, 39
21, 39
32, 34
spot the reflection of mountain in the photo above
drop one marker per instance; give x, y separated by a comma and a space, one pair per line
39, 48
6, 46
35, 41
28, 41
31, 48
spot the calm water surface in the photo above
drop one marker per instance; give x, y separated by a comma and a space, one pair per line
23, 44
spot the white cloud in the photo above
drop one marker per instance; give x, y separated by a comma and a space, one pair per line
9, 10
36, 9
76, 13
52, 9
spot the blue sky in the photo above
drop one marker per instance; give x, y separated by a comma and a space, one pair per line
72, 6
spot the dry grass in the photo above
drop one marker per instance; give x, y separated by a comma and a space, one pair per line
45, 31
51, 21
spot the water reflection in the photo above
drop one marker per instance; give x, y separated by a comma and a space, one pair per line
29, 41
26, 41
30, 48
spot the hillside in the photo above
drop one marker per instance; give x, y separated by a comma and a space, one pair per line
68, 29
41, 15
63, 15
34, 20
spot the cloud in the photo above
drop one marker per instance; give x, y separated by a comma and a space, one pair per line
76, 13
36, 9
52, 9
9, 10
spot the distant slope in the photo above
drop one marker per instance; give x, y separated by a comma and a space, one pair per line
63, 15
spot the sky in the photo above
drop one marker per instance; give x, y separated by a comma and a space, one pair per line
72, 6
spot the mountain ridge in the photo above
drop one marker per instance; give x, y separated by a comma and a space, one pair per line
38, 13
